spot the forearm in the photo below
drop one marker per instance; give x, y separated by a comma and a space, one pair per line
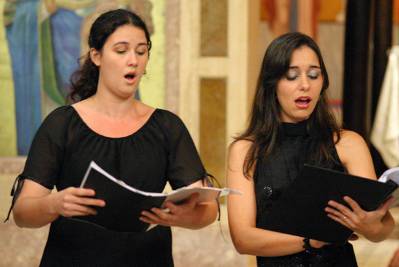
204, 214
382, 232
34, 212
259, 242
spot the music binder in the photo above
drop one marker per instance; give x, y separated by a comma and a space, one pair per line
125, 203
300, 209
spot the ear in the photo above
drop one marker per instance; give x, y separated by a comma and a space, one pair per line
95, 57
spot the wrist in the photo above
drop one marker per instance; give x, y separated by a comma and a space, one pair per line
51, 204
375, 234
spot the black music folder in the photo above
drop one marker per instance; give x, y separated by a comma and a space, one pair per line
125, 203
300, 209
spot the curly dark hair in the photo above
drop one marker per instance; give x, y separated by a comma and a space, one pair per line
85, 80
264, 121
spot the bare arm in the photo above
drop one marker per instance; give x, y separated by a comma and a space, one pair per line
246, 237
36, 206
191, 214
375, 225
394, 262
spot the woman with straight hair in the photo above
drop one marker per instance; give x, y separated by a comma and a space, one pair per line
290, 125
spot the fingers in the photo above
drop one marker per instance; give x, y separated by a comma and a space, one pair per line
353, 204
338, 209
76, 202
83, 192
176, 215
88, 201
354, 212
82, 196
341, 214
342, 220
186, 206
192, 201
157, 216
171, 207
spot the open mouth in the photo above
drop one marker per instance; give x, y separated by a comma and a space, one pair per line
130, 76
303, 101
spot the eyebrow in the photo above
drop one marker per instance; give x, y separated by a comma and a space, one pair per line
310, 67
127, 43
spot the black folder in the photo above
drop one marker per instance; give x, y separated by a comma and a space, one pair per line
123, 207
125, 203
300, 209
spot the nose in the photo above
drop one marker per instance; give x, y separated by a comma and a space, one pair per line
305, 85
132, 60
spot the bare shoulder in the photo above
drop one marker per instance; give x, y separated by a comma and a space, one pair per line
238, 150
349, 138
354, 154
350, 142
240, 146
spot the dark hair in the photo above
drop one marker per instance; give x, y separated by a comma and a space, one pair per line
264, 123
85, 80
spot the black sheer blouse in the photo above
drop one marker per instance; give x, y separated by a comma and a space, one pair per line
160, 151
274, 174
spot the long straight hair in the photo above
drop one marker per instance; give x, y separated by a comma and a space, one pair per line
264, 121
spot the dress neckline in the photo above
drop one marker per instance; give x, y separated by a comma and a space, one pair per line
150, 118
295, 129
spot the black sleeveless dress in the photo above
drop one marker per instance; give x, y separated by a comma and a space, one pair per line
161, 151
274, 174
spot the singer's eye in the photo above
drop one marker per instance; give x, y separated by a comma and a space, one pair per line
314, 74
291, 74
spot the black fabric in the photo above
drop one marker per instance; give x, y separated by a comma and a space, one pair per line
274, 174
159, 152
356, 65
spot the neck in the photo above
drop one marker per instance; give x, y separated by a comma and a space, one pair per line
114, 107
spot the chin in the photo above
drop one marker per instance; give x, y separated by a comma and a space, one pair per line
126, 95
299, 119
296, 116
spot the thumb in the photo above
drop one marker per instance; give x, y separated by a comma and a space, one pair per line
192, 201
386, 205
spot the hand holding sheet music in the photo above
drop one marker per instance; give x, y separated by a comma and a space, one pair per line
301, 208
183, 214
125, 203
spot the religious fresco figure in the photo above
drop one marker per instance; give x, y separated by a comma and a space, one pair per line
45, 41
21, 24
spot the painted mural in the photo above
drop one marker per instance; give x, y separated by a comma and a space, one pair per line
41, 42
